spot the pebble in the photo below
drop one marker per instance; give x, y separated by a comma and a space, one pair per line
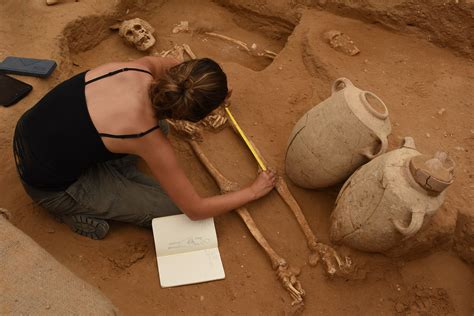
428, 135
441, 111
201, 298
460, 148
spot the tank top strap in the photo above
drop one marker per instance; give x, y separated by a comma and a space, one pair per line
118, 71
124, 136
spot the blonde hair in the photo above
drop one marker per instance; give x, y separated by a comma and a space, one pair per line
189, 91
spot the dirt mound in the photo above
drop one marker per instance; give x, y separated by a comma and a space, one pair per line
424, 301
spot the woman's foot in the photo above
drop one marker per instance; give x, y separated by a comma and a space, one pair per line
86, 225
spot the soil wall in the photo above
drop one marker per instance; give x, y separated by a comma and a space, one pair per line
446, 23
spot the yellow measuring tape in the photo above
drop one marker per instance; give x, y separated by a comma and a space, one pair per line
246, 140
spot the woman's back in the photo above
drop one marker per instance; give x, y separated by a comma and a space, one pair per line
120, 104
58, 138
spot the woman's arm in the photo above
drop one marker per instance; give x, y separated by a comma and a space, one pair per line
159, 155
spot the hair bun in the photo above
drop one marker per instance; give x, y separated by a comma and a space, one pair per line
189, 90
187, 84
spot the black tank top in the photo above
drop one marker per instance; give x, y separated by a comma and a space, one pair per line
55, 141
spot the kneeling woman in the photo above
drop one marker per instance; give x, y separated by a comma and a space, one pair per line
76, 149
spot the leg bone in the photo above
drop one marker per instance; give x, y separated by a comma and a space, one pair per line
284, 273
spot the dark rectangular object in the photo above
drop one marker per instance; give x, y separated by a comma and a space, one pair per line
12, 90
28, 66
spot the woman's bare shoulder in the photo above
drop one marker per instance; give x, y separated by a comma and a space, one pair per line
154, 64
109, 67
157, 65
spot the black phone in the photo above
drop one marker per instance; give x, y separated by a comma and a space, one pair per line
12, 90
27, 66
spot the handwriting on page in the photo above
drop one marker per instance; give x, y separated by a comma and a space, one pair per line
189, 242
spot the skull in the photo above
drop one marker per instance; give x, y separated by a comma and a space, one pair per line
138, 33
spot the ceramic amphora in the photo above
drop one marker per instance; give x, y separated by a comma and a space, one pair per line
389, 199
337, 136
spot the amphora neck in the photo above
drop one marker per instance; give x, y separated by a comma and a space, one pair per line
433, 173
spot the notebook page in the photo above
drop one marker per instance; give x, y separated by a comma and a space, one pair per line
178, 234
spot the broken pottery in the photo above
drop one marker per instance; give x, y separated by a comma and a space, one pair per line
337, 136
388, 199
138, 33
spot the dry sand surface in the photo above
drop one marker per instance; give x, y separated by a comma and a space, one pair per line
416, 57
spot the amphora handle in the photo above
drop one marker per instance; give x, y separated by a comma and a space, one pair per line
338, 82
367, 152
417, 218
408, 142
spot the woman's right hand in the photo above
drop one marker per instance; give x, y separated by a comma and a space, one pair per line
263, 184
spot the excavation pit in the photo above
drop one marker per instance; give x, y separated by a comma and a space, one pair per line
398, 47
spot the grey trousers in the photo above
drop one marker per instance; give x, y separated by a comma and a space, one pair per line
114, 190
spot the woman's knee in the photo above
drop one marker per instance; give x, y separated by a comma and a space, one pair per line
60, 203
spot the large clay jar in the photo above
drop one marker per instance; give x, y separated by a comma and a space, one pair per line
389, 198
337, 136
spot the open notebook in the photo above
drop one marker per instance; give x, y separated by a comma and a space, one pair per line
186, 250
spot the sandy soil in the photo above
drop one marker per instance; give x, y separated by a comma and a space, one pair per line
429, 92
